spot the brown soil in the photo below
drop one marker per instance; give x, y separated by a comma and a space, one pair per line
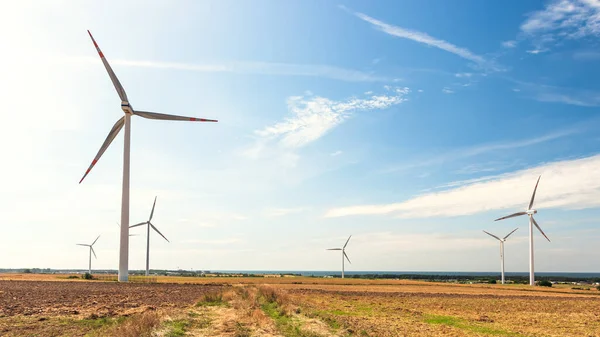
85, 299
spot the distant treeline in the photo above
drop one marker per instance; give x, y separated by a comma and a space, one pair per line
467, 278
422, 277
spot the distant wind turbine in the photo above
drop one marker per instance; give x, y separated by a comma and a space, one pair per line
501, 249
126, 121
530, 212
343, 249
148, 236
91, 251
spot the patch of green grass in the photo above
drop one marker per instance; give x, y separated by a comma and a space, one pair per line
466, 325
94, 323
287, 325
177, 328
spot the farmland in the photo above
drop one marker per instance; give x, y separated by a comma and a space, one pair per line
53, 305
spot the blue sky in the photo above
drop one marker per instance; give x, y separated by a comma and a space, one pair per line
411, 125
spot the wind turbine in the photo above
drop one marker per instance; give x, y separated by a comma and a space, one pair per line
501, 249
343, 249
148, 236
91, 251
530, 212
126, 121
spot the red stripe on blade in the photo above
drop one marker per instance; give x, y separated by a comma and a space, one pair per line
192, 119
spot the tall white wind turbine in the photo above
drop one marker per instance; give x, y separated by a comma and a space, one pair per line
501, 249
530, 212
148, 236
126, 121
343, 249
91, 251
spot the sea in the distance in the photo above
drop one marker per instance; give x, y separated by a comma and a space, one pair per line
441, 273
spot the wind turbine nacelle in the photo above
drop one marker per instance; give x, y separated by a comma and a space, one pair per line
531, 211
126, 107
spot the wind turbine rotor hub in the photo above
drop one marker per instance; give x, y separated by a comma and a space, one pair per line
126, 107
531, 211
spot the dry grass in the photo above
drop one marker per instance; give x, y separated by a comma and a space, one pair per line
140, 325
335, 307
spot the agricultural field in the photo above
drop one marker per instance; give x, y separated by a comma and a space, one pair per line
56, 305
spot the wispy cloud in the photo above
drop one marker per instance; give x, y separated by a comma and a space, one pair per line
421, 38
479, 150
562, 19
569, 184
264, 68
336, 153
313, 117
509, 44
555, 94
447, 90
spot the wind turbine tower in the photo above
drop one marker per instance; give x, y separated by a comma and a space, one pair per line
501, 249
148, 236
530, 212
344, 255
91, 251
126, 122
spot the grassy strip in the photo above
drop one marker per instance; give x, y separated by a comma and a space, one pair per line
273, 303
466, 325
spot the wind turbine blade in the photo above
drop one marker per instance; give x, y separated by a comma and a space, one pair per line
334, 249
111, 136
347, 258
82, 244
347, 241
507, 235
156, 115
492, 235
111, 73
95, 240
152, 213
139, 224
540, 229
92, 248
151, 225
533, 195
118, 224
511, 216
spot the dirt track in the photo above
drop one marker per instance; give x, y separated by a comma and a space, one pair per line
98, 298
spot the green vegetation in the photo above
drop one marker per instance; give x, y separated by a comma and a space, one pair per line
466, 325
177, 327
544, 283
87, 276
272, 302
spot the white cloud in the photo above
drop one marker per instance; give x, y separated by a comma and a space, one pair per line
460, 75
563, 19
312, 118
265, 68
569, 184
509, 44
422, 38
336, 153
447, 90
537, 51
